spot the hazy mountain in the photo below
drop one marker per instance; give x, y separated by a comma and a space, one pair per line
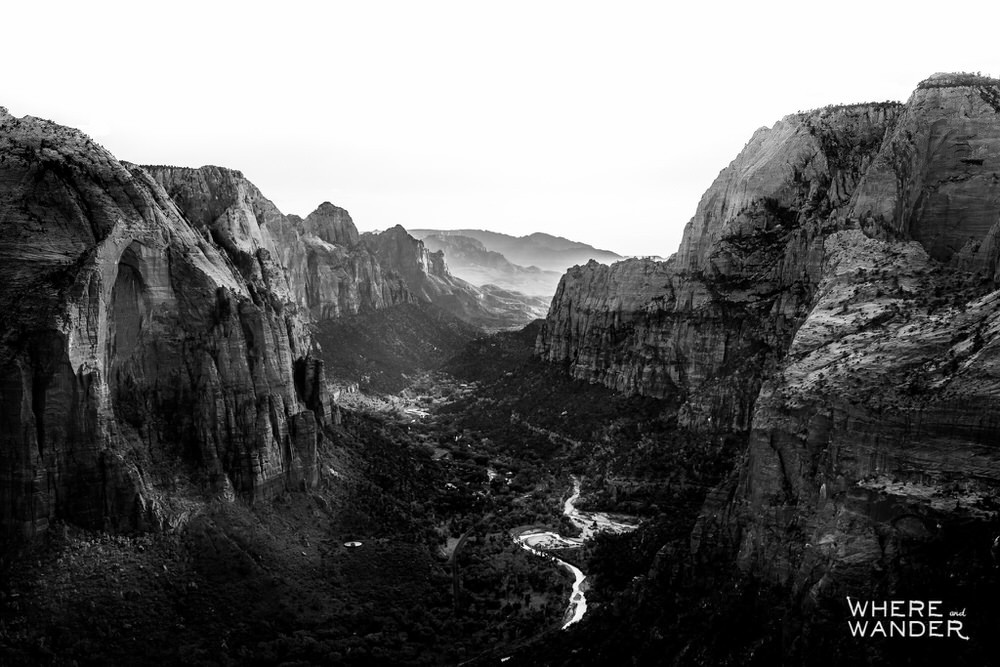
547, 252
470, 260
331, 270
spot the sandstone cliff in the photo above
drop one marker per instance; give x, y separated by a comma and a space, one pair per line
331, 273
137, 342
327, 267
324, 268
833, 302
872, 467
709, 322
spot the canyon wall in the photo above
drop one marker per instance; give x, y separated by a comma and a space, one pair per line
872, 467
833, 302
155, 338
324, 267
140, 347
329, 269
713, 319
331, 272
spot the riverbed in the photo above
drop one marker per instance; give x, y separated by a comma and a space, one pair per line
539, 542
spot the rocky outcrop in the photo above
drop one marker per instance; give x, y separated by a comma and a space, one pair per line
937, 179
332, 225
139, 347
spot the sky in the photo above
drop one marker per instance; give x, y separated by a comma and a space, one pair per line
600, 122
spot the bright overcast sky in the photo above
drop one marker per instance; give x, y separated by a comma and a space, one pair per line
600, 122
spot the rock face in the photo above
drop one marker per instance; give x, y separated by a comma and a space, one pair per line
331, 224
138, 342
710, 320
936, 179
322, 266
833, 302
329, 269
880, 428
872, 467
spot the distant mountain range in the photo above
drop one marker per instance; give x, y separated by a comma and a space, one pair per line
530, 264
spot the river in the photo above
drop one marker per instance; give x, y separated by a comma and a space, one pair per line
539, 542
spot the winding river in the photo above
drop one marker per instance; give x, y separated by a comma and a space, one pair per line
590, 524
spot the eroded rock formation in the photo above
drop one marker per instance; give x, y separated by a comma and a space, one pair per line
712, 319
329, 269
137, 342
321, 264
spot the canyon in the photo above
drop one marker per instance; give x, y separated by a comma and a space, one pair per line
134, 295
800, 403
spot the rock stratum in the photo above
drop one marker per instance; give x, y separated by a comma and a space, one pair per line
140, 340
834, 303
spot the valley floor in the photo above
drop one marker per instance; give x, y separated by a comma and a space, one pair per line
430, 481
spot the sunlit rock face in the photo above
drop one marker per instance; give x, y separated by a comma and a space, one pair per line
330, 272
878, 434
833, 301
331, 224
873, 464
937, 178
321, 262
318, 261
707, 323
139, 346
423, 270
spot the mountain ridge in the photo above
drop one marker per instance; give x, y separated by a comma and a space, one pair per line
330, 269
547, 252
469, 259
